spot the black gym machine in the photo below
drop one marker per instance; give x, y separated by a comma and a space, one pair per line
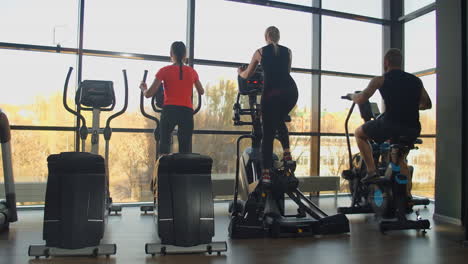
183, 196
8, 212
77, 198
386, 196
256, 212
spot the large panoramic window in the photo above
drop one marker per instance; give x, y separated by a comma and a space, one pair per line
45, 22
334, 109
131, 164
30, 150
110, 69
351, 46
413, 5
143, 26
420, 43
428, 117
221, 93
33, 87
371, 8
224, 31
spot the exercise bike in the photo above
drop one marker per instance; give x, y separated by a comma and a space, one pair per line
183, 196
8, 212
258, 212
386, 196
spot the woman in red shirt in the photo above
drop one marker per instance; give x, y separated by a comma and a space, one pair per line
178, 80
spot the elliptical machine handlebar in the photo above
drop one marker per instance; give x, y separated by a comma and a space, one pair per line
124, 108
107, 129
145, 114
83, 129
153, 104
197, 109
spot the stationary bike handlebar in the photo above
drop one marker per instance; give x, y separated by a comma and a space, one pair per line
348, 143
124, 108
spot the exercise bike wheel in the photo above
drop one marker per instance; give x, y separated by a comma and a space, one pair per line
379, 199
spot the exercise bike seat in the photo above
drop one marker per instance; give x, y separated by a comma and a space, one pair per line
405, 141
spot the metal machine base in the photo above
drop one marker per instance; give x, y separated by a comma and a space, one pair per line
116, 209
147, 208
44, 251
355, 210
160, 249
405, 225
420, 201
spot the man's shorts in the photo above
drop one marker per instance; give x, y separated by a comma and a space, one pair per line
380, 130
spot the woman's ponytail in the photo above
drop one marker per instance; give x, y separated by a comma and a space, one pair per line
179, 51
273, 34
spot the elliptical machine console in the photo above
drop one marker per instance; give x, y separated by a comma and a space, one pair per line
256, 212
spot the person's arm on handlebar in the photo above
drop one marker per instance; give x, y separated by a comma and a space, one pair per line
246, 73
362, 97
425, 101
199, 87
148, 93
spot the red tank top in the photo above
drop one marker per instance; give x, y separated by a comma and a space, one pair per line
176, 91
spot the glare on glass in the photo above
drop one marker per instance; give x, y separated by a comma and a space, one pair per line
45, 22
231, 31
143, 26
371, 8
351, 46
420, 43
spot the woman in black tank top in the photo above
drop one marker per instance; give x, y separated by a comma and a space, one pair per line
279, 96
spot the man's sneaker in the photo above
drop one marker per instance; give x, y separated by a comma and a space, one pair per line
369, 178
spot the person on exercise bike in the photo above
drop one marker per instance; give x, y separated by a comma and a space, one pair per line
178, 80
278, 98
403, 96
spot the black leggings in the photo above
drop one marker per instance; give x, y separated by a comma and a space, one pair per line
275, 109
182, 117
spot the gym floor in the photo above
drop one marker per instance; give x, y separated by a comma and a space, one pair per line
364, 244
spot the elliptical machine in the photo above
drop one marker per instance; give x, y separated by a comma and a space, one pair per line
183, 197
156, 102
386, 196
8, 212
256, 212
82, 180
